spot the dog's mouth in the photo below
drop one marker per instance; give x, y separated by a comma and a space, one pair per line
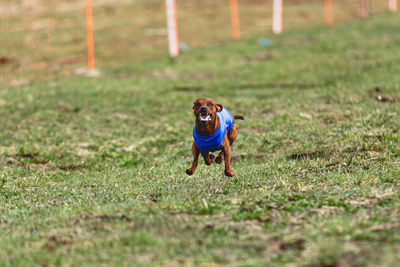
205, 117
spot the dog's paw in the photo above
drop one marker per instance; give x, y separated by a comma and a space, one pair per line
210, 160
189, 172
218, 160
229, 173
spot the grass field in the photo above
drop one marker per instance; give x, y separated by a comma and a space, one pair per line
43, 39
93, 169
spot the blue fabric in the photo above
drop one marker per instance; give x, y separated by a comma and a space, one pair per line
213, 142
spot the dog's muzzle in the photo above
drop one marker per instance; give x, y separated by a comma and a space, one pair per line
204, 117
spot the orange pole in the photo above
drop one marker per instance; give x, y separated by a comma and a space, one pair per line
235, 19
364, 9
328, 13
89, 34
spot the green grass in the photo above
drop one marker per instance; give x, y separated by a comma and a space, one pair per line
43, 39
93, 169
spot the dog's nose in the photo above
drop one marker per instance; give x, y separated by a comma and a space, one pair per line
203, 109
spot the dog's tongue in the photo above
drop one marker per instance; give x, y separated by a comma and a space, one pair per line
205, 117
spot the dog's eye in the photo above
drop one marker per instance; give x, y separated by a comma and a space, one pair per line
197, 105
211, 104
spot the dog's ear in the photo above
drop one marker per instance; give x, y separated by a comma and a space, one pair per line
194, 104
219, 107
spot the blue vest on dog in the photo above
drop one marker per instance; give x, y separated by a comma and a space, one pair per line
213, 142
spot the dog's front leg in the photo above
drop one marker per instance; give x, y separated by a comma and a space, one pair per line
227, 153
220, 157
196, 152
208, 158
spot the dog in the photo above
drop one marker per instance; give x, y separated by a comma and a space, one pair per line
214, 130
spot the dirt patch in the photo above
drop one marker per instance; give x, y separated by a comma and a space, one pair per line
65, 109
276, 86
33, 159
209, 228
5, 60
374, 90
325, 210
56, 241
26, 155
349, 149
347, 259
385, 99
333, 164
376, 94
310, 155
100, 217
277, 245
155, 197
297, 244
384, 228
54, 63
373, 200
69, 60
70, 167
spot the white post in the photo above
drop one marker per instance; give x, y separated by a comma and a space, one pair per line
393, 5
364, 9
172, 28
277, 20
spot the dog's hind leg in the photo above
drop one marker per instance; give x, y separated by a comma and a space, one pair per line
231, 137
226, 148
196, 152
232, 134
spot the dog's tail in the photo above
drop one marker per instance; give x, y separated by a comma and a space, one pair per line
238, 117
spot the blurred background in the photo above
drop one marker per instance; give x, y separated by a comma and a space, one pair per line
40, 39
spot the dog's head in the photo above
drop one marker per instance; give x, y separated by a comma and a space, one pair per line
205, 109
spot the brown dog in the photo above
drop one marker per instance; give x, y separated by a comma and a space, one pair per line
214, 130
